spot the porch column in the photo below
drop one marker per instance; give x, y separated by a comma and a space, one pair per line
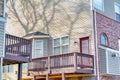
20, 71
34, 77
47, 76
63, 76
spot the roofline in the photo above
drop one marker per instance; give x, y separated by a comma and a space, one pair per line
39, 36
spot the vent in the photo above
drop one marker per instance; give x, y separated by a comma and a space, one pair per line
109, 61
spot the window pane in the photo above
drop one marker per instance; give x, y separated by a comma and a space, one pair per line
38, 44
23, 48
85, 46
103, 39
65, 49
10, 68
117, 11
65, 40
117, 8
117, 17
98, 4
57, 50
38, 51
24, 66
56, 42
5, 69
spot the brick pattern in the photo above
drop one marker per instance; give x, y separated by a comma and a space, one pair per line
112, 29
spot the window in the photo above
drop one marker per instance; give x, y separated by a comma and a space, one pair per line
38, 49
22, 48
99, 4
117, 11
57, 46
103, 39
24, 66
5, 69
61, 45
8, 68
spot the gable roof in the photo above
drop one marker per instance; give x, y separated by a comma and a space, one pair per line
36, 35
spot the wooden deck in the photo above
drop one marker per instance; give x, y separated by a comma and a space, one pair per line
17, 50
63, 63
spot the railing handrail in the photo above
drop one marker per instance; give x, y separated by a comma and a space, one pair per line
81, 54
35, 59
17, 37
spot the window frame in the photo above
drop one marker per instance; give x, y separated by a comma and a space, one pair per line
61, 45
117, 12
7, 69
82, 39
106, 38
38, 48
25, 66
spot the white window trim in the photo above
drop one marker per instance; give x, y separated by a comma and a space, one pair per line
35, 48
115, 11
106, 39
61, 45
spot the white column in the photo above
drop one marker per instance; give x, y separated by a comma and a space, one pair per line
47, 77
1, 67
63, 76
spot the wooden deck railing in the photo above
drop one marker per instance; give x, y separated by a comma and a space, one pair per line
72, 62
17, 47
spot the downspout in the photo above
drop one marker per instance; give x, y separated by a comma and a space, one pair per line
96, 46
96, 57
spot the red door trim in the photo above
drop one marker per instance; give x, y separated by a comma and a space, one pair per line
85, 38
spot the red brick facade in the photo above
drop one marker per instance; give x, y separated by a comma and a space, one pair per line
111, 28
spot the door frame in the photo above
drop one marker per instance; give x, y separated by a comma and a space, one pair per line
85, 38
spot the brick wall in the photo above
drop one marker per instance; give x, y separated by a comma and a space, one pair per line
110, 27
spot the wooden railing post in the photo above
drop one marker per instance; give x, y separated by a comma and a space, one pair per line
47, 76
63, 76
48, 64
93, 63
75, 61
30, 57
